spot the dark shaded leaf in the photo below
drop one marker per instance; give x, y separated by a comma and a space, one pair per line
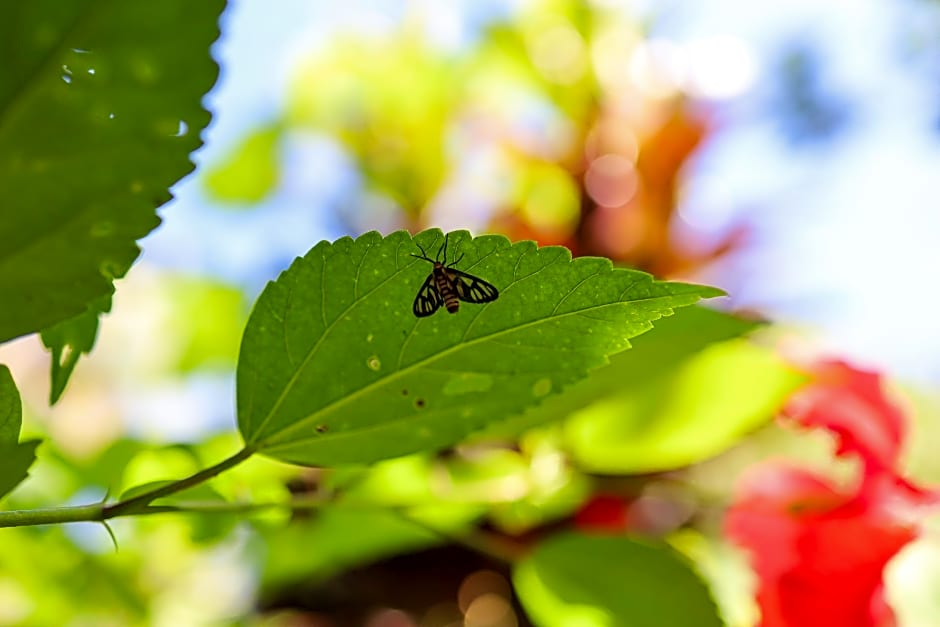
68, 340
15, 457
99, 111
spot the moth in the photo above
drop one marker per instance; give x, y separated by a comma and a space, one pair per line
448, 286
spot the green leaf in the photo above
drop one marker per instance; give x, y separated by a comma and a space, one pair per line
201, 493
15, 457
251, 170
605, 581
99, 111
336, 369
11, 409
684, 416
68, 340
677, 338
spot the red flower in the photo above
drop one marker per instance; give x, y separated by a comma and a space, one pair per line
819, 550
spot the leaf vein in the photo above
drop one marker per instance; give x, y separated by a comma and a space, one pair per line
316, 347
573, 290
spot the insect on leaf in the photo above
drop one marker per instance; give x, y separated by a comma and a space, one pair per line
448, 286
335, 368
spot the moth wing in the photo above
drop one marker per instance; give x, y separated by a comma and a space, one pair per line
428, 299
471, 289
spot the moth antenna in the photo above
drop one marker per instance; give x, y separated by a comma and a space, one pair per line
444, 248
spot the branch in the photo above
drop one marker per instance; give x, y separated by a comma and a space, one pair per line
98, 512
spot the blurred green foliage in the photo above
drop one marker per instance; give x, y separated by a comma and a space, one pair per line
250, 171
514, 133
598, 581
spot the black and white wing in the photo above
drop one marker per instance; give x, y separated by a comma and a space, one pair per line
471, 289
429, 298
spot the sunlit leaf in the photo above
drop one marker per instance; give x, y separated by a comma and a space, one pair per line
683, 416
249, 172
677, 338
610, 581
208, 318
335, 368
15, 457
99, 111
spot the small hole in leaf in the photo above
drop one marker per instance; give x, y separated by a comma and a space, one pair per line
419, 403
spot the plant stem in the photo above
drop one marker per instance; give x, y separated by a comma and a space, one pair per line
51, 515
97, 512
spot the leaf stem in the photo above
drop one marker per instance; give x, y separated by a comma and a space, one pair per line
123, 508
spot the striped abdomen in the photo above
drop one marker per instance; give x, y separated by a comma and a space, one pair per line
446, 289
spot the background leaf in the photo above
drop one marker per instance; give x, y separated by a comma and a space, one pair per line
677, 338
335, 368
683, 416
99, 111
15, 457
609, 581
250, 172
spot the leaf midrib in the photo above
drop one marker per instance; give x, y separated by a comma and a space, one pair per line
312, 418
373, 427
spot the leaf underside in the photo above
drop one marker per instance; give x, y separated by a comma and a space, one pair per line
99, 111
335, 368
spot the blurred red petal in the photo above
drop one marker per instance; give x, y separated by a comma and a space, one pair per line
604, 512
819, 552
852, 404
